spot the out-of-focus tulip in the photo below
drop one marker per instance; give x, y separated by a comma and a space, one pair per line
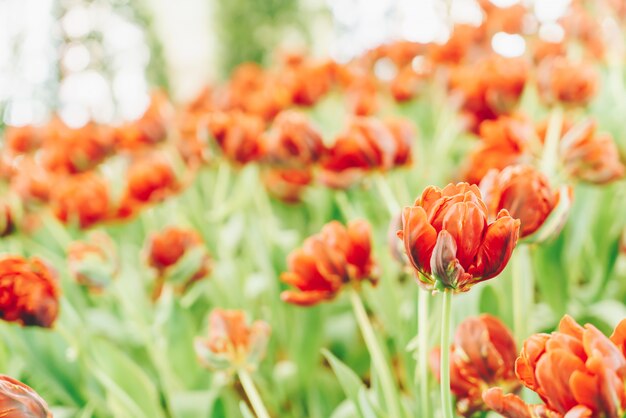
20, 401
590, 156
233, 343
362, 95
404, 136
504, 141
367, 144
449, 241
483, 355
489, 87
82, 198
293, 141
150, 179
526, 193
576, 371
504, 19
238, 135
22, 139
32, 182
457, 47
308, 81
93, 263
146, 131
179, 256
327, 261
566, 82
406, 84
29, 293
287, 184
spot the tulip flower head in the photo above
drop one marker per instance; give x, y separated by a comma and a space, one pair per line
20, 401
577, 372
82, 198
327, 261
526, 194
483, 355
29, 292
232, 343
449, 241
93, 263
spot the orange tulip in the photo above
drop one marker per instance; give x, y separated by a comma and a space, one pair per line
457, 47
20, 401
22, 139
29, 292
167, 249
522, 190
238, 135
93, 263
367, 144
31, 181
232, 342
82, 198
569, 83
287, 184
293, 141
150, 179
329, 260
449, 241
504, 141
483, 355
576, 371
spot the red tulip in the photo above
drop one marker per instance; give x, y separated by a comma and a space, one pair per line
567, 82
449, 241
93, 263
293, 141
232, 343
483, 355
576, 371
29, 292
20, 401
238, 135
83, 198
329, 260
525, 192
287, 184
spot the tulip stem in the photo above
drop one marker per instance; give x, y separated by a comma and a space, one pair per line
446, 398
422, 359
253, 394
523, 289
550, 156
387, 194
378, 358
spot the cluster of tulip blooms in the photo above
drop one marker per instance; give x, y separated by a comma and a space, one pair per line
515, 189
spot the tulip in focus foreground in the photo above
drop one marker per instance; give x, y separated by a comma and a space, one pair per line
327, 261
232, 343
482, 355
29, 292
449, 240
20, 401
577, 371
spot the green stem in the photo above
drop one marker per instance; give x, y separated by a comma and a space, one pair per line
446, 395
523, 292
422, 360
387, 194
253, 394
378, 358
550, 156
344, 205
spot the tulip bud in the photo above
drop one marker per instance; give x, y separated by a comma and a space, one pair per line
93, 263
20, 401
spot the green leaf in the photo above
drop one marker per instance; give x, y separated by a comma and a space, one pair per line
352, 386
128, 387
245, 411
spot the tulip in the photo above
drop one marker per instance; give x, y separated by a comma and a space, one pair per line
526, 194
83, 198
293, 141
93, 263
150, 179
504, 141
329, 260
482, 355
238, 135
178, 255
577, 372
287, 185
449, 241
566, 82
29, 292
235, 346
20, 401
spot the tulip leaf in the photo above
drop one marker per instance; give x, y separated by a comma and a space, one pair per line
245, 411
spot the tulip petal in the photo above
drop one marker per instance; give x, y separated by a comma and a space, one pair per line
509, 406
495, 251
419, 238
553, 372
466, 223
443, 262
619, 336
306, 298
